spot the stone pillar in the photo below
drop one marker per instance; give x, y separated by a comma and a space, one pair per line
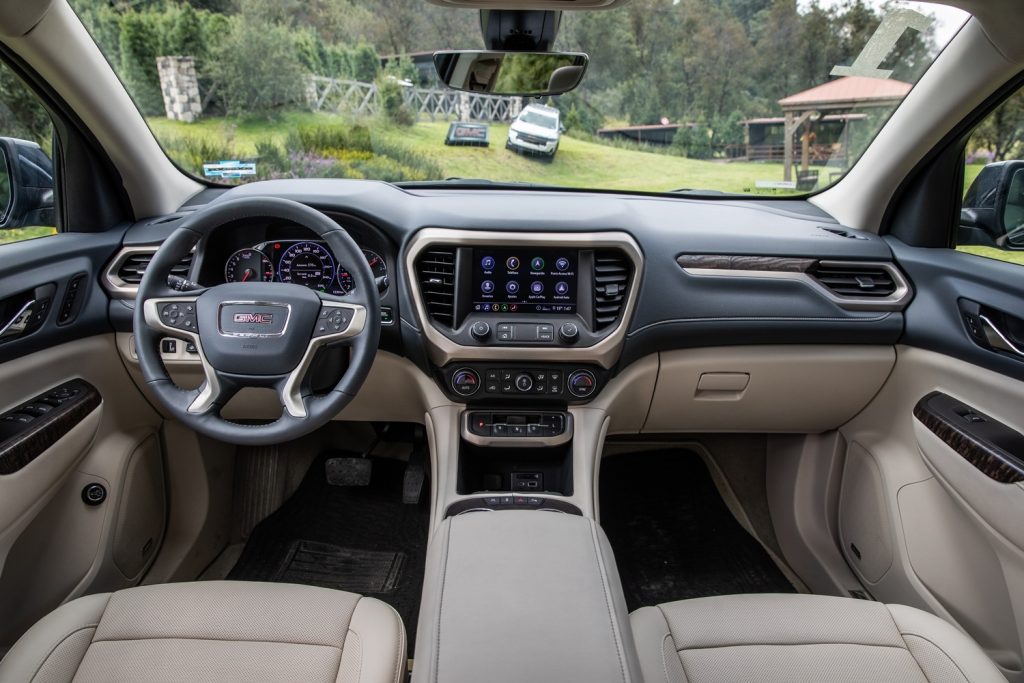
180, 87
464, 106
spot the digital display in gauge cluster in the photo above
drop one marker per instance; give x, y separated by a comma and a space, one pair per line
302, 262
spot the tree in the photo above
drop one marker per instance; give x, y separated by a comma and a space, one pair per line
21, 113
1003, 130
139, 41
257, 67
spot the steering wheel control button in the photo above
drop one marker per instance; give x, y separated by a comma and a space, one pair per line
94, 494
569, 333
333, 321
465, 382
480, 330
180, 316
582, 383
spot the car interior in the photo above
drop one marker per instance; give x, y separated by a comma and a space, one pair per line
341, 429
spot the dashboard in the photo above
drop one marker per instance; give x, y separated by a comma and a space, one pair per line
539, 296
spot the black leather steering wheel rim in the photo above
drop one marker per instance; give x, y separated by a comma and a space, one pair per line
296, 420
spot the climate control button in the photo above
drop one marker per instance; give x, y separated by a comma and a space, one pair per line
582, 383
524, 382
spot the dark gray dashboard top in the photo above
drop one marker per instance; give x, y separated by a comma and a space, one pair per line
674, 309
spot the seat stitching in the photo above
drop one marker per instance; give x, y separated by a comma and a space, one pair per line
664, 662
46, 657
217, 640
400, 645
937, 647
607, 599
725, 645
359, 670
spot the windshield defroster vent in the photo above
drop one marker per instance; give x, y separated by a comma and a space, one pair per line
134, 266
435, 270
611, 280
855, 280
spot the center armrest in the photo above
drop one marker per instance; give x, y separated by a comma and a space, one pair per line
520, 596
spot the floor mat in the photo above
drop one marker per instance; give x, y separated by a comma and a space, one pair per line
674, 537
360, 538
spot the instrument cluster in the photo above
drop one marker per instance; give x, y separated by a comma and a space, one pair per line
304, 262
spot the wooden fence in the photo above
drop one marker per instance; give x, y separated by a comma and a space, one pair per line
360, 99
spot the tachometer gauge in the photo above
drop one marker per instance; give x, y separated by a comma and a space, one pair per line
248, 265
377, 266
307, 264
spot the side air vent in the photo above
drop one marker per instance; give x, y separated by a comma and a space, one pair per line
854, 280
435, 270
611, 280
134, 265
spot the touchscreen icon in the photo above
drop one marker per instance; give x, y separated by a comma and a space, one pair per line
512, 287
561, 288
487, 286
562, 263
487, 263
537, 287
512, 263
537, 264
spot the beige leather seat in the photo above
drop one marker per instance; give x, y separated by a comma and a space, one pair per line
213, 631
795, 638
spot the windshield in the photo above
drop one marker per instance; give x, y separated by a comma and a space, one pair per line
760, 97
538, 119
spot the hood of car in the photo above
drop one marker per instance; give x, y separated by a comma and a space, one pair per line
534, 129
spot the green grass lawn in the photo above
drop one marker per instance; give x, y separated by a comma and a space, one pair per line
21, 234
993, 253
579, 163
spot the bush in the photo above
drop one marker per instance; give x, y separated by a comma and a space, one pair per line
392, 100
257, 68
693, 141
139, 41
321, 138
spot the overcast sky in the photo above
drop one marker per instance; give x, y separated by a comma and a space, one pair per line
948, 19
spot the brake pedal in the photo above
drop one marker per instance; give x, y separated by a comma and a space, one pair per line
348, 471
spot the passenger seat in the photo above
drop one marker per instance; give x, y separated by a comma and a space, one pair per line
793, 638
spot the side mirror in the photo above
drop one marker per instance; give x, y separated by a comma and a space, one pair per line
561, 127
968, 218
26, 185
527, 74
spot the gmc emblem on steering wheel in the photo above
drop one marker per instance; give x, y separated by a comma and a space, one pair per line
248, 318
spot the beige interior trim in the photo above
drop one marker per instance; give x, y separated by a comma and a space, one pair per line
443, 350
791, 389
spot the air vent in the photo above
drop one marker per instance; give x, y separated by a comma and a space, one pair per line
611, 280
436, 272
134, 265
855, 280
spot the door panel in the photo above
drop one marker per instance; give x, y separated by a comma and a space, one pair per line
53, 544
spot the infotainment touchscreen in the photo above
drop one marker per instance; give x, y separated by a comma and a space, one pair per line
525, 280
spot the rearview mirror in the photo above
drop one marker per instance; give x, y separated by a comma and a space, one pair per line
26, 184
529, 74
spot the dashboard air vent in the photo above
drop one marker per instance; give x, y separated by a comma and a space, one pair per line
135, 265
855, 280
435, 270
611, 280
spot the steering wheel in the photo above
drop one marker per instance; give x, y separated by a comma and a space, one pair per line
259, 334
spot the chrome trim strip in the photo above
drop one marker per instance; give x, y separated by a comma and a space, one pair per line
210, 390
443, 350
291, 397
998, 340
896, 301
514, 441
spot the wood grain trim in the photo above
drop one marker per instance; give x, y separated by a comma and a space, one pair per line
987, 458
22, 448
773, 264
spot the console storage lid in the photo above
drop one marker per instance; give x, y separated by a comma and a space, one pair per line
522, 596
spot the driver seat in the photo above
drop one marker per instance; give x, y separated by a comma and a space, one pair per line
213, 631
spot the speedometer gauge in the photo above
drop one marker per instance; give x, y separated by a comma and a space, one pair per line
307, 264
248, 265
377, 266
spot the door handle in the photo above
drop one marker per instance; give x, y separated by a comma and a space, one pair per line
17, 325
996, 339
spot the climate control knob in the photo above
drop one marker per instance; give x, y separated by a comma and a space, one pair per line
582, 383
569, 333
465, 382
524, 382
